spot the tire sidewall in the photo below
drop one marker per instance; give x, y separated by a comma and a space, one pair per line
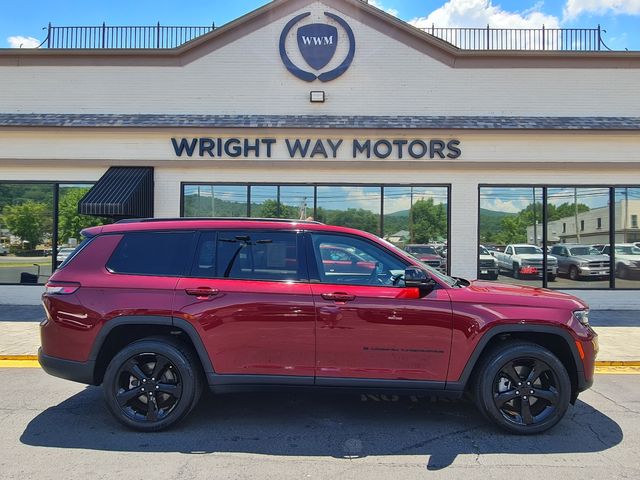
188, 378
506, 354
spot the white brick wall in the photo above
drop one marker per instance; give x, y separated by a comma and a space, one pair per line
386, 78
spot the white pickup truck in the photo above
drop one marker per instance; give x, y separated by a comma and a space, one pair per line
525, 260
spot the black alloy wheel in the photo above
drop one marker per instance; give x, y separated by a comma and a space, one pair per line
523, 388
151, 384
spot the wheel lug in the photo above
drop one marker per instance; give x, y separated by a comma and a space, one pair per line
144, 380
531, 392
528, 383
157, 388
517, 392
153, 379
524, 398
142, 389
519, 384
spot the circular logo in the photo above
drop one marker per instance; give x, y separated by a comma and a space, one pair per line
317, 43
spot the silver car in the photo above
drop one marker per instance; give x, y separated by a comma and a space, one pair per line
580, 261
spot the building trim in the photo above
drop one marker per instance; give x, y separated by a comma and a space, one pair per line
339, 122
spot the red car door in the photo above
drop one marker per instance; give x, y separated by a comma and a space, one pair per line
368, 325
250, 300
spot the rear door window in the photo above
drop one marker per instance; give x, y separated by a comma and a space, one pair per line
153, 253
256, 255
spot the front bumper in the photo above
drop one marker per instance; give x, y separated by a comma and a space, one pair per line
81, 372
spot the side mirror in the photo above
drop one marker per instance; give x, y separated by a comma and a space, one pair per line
415, 277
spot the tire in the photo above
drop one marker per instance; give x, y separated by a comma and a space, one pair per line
493, 381
516, 271
493, 276
621, 272
551, 278
131, 384
573, 273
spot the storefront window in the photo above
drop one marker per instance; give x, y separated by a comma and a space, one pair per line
577, 229
215, 201
26, 232
627, 238
350, 206
282, 201
70, 222
510, 224
415, 217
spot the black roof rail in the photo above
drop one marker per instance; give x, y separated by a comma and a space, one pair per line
243, 219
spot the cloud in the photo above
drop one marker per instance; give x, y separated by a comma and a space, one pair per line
19, 41
573, 8
377, 4
479, 13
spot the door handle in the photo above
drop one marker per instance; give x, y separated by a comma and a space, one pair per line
202, 292
338, 297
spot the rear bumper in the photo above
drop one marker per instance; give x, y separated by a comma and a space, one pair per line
81, 372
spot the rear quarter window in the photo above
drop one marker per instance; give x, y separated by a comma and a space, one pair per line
153, 253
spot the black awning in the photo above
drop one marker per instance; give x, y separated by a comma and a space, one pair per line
122, 192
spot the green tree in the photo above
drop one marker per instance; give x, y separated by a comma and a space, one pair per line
70, 222
29, 221
428, 221
353, 217
271, 209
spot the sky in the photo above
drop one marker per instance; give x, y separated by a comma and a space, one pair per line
22, 24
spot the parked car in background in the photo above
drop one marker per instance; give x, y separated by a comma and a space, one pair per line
580, 261
487, 264
3, 251
63, 253
156, 311
428, 255
522, 260
627, 259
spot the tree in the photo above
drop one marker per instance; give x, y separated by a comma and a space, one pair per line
70, 222
271, 209
353, 217
29, 221
428, 221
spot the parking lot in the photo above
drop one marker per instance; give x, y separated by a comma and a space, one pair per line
56, 429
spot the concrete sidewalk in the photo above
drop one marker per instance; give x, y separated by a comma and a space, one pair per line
618, 330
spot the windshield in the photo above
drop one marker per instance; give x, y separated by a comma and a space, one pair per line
422, 250
483, 251
627, 250
575, 251
528, 250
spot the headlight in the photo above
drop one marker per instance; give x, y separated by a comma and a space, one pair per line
582, 316
583, 264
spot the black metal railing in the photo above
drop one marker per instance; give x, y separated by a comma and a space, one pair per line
104, 36
158, 36
563, 39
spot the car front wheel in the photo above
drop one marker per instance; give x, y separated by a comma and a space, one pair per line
152, 384
523, 388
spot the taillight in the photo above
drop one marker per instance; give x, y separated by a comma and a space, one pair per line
66, 288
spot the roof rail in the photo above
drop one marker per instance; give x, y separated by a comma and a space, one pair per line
244, 219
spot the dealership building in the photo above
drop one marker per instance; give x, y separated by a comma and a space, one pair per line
330, 109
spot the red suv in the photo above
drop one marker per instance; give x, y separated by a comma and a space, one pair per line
155, 310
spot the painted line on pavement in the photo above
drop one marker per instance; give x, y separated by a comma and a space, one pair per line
19, 364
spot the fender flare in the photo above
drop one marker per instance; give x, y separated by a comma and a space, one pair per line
480, 348
179, 323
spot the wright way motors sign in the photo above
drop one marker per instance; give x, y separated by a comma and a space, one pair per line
207, 147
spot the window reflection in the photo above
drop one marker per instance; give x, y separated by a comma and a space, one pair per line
215, 200
350, 206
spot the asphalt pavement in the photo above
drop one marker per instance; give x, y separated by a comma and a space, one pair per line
54, 429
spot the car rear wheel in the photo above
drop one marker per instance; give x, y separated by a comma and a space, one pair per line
523, 388
152, 384
516, 271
